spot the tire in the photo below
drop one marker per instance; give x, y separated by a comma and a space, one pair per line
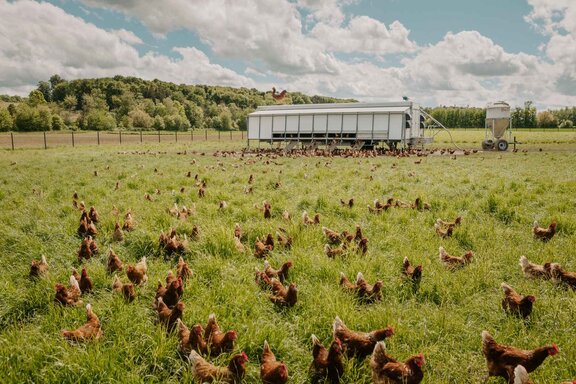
487, 145
502, 145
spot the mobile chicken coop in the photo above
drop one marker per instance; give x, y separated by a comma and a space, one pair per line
356, 124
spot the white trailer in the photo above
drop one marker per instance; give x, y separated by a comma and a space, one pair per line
357, 124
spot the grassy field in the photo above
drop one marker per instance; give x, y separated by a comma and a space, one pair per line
498, 194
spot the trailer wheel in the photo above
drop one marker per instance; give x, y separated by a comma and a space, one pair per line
502, 145
487, 145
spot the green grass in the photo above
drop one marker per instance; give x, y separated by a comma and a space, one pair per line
498, 194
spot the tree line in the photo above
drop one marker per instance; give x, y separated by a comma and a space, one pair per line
132, 103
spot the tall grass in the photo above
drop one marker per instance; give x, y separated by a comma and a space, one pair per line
499, 196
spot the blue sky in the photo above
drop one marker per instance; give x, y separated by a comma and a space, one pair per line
450, 52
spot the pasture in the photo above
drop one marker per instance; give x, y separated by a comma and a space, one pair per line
499, 195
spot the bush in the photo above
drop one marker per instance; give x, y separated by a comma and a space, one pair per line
6, 122
566, 124
99, 120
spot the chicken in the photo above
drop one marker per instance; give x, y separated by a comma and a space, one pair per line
502, 360
308, 221
85, 282
38, 268
349, 203
128, 222
174, 210
190, 339
326, 363
358, 234
333, 237
269, 242
284, 240
443, 232
218, 341
286, 216
168, 317
366, 292
521, 376
447, 224
93, 215
239, 246
560, 275
127, 290
171, 293
267, 210
360, 344
271, 370
204, 372
170, 277
87, 249
117, 235
260, 249
237, 231
281, 274
410, 272
70, 295
515, 303
532, 270
363, 245
453, 262
114, 262
387, 370
543, 234
333, 252
183, 270
285, 297
90, 330
346, 284
420, 205
138, 273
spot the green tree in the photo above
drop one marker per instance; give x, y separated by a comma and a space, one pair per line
158, 124
546, 119
58, 123
46, 89
99, 120
36, 98
140, 119
6, 122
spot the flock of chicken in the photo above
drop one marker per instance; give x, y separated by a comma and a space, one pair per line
197, 343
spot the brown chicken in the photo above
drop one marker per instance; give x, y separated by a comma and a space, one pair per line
239, 246
532, 270
128, 222
333, 237
85, 282
70, 295
93, 214
138, 273
454, 262
271, 370
114, 262
414, 274
38, 268
204, 372
280, 274
333, 252
308, 221
502, 360
283, 239
447, 224
88, 248
521, 376
363, 245
516, 304
117, 235
267, 210
216, 340
366, 292
543, 234
349, 203
237, 231
168, 317
90, 330
190, 339
443, 232
260, 249
559, 275
326, 364
127, 290
171, 293
269, 242
360, 344
387, 370
285, 297
183, 270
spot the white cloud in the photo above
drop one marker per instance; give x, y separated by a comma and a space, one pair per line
128, 37
38, 40
365, 35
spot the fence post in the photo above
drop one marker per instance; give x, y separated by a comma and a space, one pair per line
72, 139
140, 136
206, 134
12, 139
176, 135
98, 136
120, 136
158, 136
230, 134
192, 135
218, 135
45, 144
242, 135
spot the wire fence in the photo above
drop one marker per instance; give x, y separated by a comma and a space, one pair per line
51, 139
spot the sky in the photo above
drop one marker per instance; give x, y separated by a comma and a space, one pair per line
441, 52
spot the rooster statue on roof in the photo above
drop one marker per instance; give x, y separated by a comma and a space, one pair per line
278, 96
